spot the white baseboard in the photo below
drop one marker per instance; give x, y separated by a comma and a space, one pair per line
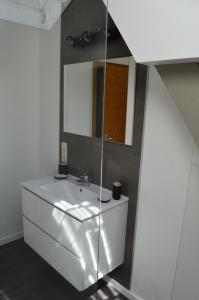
10, 238
120, 288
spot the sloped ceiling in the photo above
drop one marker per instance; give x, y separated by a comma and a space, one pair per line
155, 31
37, 13
182, 82
158, 30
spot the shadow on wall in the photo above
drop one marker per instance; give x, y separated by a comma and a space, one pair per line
181, 81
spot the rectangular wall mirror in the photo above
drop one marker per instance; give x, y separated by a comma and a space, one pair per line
84, 105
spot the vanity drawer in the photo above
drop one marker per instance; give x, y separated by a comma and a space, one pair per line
77, 250
60, 226
63, 261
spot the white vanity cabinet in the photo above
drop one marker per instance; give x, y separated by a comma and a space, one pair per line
67, 235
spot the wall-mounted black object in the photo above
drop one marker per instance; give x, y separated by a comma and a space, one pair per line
88, 37
85, 20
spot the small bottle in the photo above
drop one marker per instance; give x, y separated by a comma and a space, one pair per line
63, 168
117, 190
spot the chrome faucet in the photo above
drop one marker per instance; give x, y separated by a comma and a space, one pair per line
84, 179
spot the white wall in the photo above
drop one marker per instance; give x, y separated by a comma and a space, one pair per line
49, 84
29, 115
166, 162
158, 30
187, 275
182, 81
19, 120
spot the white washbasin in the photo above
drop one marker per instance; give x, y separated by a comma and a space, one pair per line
65, 223
79, 201
69, 191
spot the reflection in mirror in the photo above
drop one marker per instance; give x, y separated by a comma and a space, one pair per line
83, 99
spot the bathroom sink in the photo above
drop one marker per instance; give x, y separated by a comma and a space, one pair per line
79, 201
73, 193
65, 223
